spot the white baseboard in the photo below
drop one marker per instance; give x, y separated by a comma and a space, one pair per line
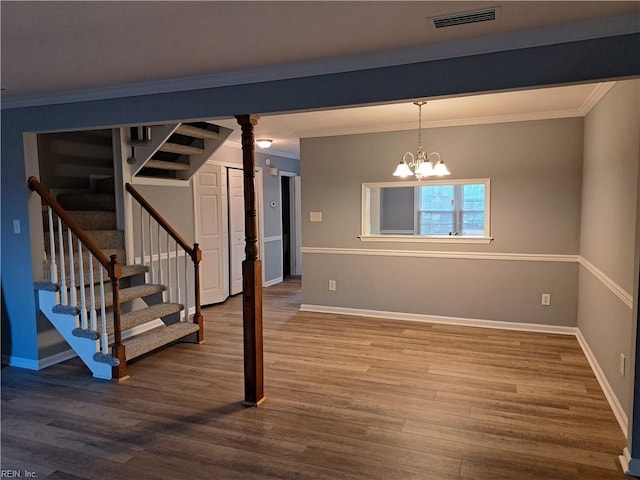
621, 417
273, 282
416, 317
57, 358
630, 465
619, 413
21, 362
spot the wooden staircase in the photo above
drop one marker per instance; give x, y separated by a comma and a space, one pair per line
175, 151
109, 311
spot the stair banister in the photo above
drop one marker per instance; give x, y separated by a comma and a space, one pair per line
37, 187
194, 253
112, 265
160, 219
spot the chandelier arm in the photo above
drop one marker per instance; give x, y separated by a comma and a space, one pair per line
413, 159
433, 153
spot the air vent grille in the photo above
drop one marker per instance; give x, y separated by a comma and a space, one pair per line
464, 18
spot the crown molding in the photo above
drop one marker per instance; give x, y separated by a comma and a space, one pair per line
598, 94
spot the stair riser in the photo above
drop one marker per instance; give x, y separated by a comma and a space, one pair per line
92, 202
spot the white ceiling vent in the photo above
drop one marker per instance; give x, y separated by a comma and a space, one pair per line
476, 16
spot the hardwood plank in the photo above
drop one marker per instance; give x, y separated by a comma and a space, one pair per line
349, 397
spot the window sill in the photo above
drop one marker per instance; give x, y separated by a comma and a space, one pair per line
417, 239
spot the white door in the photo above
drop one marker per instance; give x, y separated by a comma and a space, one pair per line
235, 180
210, 203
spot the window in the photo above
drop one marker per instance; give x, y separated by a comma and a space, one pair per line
441, 210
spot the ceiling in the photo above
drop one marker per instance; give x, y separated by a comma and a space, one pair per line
49, 49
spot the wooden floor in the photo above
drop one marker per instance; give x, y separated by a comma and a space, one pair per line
348, 398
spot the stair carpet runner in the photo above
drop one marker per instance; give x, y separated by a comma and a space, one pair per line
95, 213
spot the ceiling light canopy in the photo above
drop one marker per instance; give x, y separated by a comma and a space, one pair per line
421, 162
264, 142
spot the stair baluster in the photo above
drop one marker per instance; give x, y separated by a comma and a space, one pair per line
186, 290
160, 258
169, 286
63, 277
73, 297
52, 248
151, 271
92, 297
142, 260
104, 337
84, 324
178, 297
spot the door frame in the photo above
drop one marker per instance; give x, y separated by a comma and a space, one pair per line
295, 242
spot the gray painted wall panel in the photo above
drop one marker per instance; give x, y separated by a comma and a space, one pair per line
534, 167
608, 229
612, 143
605, 322
535, 172
507, 291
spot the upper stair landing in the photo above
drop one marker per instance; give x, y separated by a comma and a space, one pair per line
175, 151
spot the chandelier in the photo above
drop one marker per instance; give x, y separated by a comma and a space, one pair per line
421, 163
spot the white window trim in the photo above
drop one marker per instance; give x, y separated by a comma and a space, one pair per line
366, 217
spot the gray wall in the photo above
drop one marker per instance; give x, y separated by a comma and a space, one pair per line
608, 239
272, 264
535, 172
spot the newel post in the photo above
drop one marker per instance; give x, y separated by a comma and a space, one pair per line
119, 372
251, 274
198, 319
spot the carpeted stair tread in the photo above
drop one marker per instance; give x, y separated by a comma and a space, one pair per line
157, 337
87, 201
87, 220
85, 264
142, 316
127, 294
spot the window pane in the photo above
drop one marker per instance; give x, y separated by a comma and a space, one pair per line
437, 198
436, 223
397, 209
473, 197
472, 223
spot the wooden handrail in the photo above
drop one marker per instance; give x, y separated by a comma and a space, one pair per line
194, 253
87, 241
162, 222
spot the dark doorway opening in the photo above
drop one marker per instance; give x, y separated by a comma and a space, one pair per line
285, 201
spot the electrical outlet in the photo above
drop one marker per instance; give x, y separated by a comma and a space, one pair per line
546, 299
622, 364
16, 227
332, 285
315, 216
